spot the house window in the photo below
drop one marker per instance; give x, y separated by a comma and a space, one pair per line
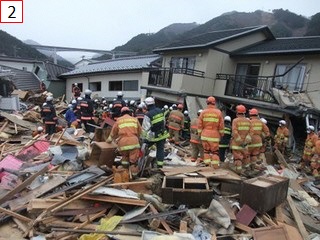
95, 86
130, 85
293, 80
115, 86
181, 63
36, 71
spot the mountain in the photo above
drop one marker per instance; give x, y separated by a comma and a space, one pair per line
13, 47
282, 23
61, 61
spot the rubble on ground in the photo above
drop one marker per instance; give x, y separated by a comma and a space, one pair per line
65, 187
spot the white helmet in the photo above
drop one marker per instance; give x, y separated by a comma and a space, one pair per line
149, 101
105, 108
110, 105
40, 129
199, 111
96, 100
120, 94
170, 108
44, 104
310, 128
185, 112
104, 101
79, 98
264, 120
140, 106
227, 118
282, 122
165, 107
87, 92
132, 102
76, 84
70, 106
49, 98
74, 101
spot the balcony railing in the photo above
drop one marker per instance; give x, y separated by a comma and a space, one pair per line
163, 77
248, 86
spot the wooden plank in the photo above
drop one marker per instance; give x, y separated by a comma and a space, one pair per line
40, 204
183, 228
293, 232
18, 121
37, 192
103, 198
20, 187
243, 227
163, 222
297, 218
16, 215
282, 160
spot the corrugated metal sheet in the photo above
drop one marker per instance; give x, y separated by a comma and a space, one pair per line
54, 70
23, 80
118, 64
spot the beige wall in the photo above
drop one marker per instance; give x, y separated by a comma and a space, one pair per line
104, 79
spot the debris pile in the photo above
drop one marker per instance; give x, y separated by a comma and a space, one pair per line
66, 187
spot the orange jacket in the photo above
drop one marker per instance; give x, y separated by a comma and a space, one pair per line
310, 143
194, 135
176, 120
258, 131
240, 132
317, 147
211, 124
126, 131
282, 134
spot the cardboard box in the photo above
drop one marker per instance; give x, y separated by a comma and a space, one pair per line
102, 153
264, 193
192, 191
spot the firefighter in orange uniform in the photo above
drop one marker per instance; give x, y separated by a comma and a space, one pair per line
195, 141
309, 147
175, 124
126, 132
211, 129
282, 137
258, 132
315, 160
240, 138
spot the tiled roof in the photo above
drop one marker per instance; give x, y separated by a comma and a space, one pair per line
118, 64
55, 70
23, 80
290, 45
214, 38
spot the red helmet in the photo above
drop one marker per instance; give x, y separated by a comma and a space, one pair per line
125, 109
211, 100
180, 106
241, 109
253, 112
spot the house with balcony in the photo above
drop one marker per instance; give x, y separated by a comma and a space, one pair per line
106, 78
278, 76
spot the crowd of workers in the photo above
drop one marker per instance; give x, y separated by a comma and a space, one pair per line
211, 134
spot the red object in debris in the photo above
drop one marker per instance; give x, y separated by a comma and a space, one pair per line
246, 215
34, 150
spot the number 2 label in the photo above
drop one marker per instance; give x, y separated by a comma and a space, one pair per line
11, 11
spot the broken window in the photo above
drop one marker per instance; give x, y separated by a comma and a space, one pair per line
95, 86
246, 80
293, 80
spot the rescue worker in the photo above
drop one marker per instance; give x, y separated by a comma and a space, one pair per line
309, 147
266, 141
139, 113
186, 126
224, 143
175, 124
117, 105
154, 131
77, 110
315, 160
43, 86
126, 133
210, 128
86, 108
48, 113
258, 132
282, 136
132, 107
166, 111
195, 141
240, 139
71, 117
76, 91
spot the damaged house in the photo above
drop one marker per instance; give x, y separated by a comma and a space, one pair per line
278, 76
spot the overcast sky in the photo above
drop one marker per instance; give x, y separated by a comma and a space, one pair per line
106, 24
